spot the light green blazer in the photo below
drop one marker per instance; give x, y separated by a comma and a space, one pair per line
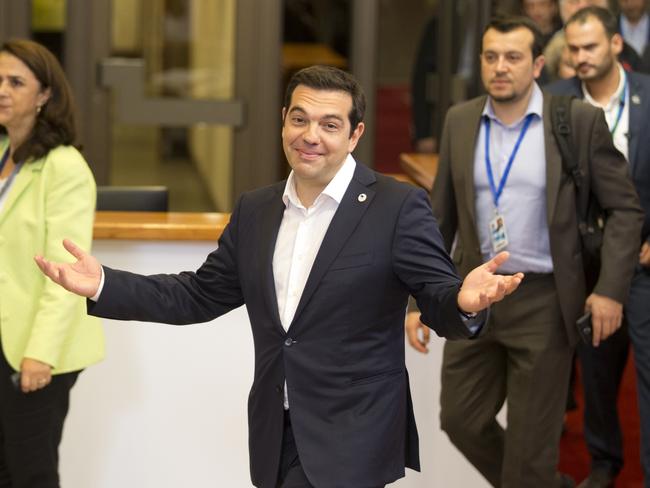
50, 199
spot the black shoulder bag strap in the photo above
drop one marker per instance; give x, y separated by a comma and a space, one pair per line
590, 217
561, 120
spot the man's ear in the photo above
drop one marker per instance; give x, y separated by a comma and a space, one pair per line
356, 135
538, 65
616, 42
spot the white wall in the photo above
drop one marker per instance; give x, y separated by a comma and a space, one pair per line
167, 408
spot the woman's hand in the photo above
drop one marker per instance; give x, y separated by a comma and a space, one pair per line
34, 375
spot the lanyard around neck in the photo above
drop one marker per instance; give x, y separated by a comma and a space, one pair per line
621, 105
496, 192
4, 159
13, 174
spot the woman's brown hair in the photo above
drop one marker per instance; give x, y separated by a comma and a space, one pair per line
55, 123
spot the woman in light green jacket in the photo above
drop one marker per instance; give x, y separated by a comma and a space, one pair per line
47, 192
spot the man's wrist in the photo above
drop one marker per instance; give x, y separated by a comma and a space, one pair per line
467, 315
95, 297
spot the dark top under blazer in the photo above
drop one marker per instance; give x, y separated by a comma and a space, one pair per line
343, 355
638, 133
607, 175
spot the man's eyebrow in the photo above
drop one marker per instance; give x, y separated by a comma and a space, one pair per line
589, 45
333, 116
298, 108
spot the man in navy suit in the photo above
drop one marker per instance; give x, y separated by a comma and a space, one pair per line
324, 262
594, 44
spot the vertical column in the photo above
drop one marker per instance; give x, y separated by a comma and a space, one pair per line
444, 50
87, 41
258, 44
363, 64
15, 19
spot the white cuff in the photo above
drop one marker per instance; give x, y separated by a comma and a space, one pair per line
95, 297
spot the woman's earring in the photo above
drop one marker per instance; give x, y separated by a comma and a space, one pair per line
38, 109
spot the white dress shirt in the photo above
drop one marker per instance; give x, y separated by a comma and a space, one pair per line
611, 109
300, 236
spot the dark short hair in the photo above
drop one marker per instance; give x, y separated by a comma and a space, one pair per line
604, 16
521, 3
509, 23
55, 123
329, 78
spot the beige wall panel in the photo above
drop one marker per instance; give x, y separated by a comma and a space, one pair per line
212, 61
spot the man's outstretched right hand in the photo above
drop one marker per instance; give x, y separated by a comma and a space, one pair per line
81, 277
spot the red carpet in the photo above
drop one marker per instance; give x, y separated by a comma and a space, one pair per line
574, 458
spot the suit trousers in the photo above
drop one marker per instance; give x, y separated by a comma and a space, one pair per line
30, 430
602, 371
291, 474
523, 357
638, 320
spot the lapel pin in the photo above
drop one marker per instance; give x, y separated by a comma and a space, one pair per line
636, 99
362, 197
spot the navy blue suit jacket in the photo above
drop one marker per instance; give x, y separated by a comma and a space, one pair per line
638, 136
343, 354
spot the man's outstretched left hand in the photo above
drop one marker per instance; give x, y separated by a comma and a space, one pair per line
482, 287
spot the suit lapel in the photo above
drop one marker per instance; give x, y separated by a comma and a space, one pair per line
553, 162
270, 220
347, 217
21, 182
466, 155
638, 107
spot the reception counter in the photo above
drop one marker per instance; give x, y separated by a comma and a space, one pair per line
167, 407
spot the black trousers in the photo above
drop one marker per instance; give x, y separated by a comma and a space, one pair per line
291, 474
30, 430
602, 372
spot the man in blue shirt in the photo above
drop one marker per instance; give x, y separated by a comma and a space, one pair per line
500, 185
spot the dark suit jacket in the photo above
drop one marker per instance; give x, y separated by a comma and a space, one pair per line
633, 60
453, 203
343, 354
639, 133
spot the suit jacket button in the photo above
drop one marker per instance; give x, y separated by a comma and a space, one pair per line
288, 342
278, 389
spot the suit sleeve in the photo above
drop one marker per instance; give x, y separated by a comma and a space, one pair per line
421, 262
185, 298
611, 183
443, 200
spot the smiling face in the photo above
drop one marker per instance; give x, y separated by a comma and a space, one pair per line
507, 66
316, 135
593, 53
20, 95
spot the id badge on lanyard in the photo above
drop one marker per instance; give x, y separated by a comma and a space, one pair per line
497, 225
498, 233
